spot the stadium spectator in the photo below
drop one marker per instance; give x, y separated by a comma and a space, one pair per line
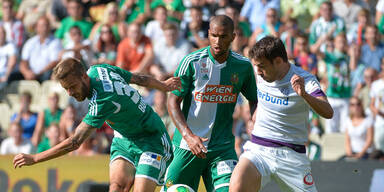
68, 122
135, 11
95, 9
78, 47
379, 11
372, 51
272, 26
105, 49
242, 29
170, 50
196, 3
377, 108
358, 131
288, 35
75, 12
348, 10
57, 12
217, 7
30, 11
15, 143
111, 18
338, 83
25, 117
196, 31
8, 57
40, 53
328, 25
175, 9
153, 29
356, 32
135, 52
303, 57
52, 138
203, 140
14, 28
303, 11
47, 117
363, 89
255, 11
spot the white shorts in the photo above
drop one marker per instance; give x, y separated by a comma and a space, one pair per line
289, 169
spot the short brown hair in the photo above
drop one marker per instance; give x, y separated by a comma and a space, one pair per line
68, 66
269, 47
169, 26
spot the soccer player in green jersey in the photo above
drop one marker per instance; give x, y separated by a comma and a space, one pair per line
140, 150
211, 79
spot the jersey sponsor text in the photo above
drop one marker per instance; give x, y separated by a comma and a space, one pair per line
216, 94
271, 99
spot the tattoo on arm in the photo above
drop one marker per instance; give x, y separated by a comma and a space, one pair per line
140, 79
82, 133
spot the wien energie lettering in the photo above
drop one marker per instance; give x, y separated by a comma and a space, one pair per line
271, 99
216, 94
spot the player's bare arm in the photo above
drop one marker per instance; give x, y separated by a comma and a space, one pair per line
195, 143
252, 108
70, 144
319, 104
150, 82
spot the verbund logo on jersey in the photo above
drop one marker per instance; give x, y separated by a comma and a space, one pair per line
216, 94
271, 99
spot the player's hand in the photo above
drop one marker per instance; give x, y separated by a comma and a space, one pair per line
23, 159
172, 84
195, 144
297, 83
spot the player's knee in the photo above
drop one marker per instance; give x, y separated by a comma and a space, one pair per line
115, 187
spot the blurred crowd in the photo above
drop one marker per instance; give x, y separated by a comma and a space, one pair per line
339, 41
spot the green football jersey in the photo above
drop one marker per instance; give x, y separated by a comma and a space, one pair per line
210, 90
112, 100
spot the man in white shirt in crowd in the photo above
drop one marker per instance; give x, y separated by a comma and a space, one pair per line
8, 57
170, 50
40, 53
15, 143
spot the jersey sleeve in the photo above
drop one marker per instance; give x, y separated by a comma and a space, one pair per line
249, 88
126, 75
312, 86
99, 110
185, 72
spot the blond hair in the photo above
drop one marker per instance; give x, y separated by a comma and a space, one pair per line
108, 8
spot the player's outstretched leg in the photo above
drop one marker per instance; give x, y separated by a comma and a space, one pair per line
245, 177
121, 175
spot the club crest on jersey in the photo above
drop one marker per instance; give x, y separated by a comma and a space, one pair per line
204, 68
308, 179
234, 78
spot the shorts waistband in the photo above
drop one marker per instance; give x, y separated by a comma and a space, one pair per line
274, 143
